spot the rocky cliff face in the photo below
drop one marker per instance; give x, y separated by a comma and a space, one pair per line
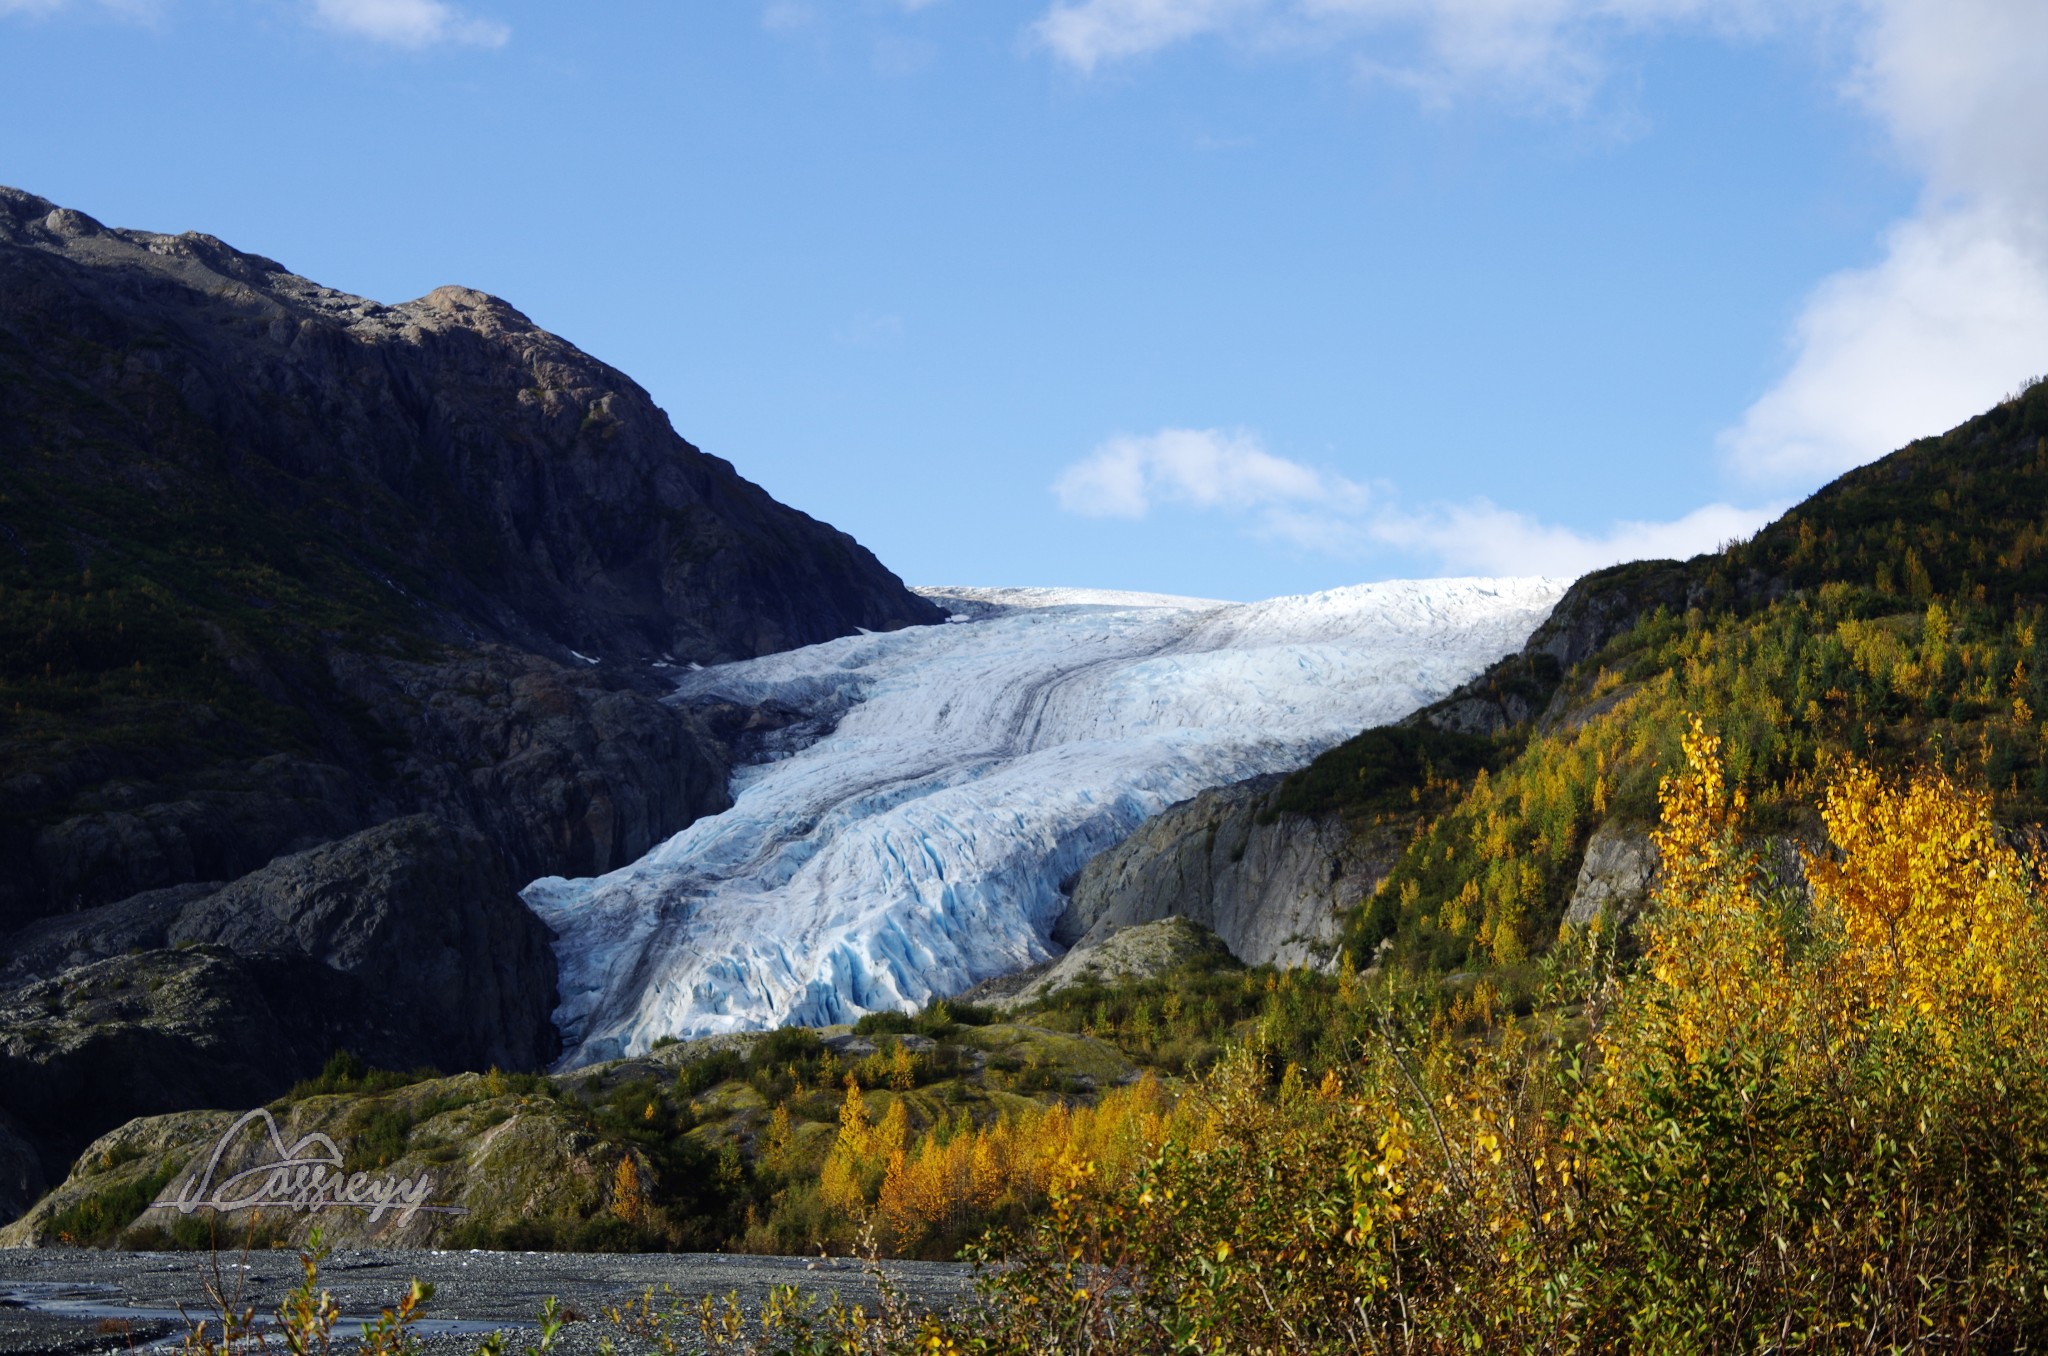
324, 625
1271, 885
1615, 878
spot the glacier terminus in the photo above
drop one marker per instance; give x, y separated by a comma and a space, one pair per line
919, 845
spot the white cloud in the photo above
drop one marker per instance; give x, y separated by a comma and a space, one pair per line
1086, 33
1479, 537
409, 23
1956, 312
1549, 49
1951, 320
1199, 468
1283, 501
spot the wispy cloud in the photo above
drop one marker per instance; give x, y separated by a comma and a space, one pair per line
1305, 508
1552, 50
1479, 537
871, 330
1087, 33
1200, 468
409, 23
788, 16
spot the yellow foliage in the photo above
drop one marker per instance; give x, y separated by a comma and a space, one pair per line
961, 1173
840, 1185
629, 1197
1920, 916
1718, 959
902, 1072
1936, 913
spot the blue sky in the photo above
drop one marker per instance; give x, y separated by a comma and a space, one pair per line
1222, 297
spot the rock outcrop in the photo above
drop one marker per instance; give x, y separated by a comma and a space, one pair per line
417, 913
1615, 878
1272, 886
1108, 956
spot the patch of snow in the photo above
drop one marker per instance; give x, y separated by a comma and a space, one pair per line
918, 848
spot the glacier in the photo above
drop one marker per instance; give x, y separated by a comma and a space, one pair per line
958, 775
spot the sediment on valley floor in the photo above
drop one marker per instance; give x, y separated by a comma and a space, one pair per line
71, 1301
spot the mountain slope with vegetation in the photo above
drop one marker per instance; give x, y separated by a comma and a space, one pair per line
1894, 616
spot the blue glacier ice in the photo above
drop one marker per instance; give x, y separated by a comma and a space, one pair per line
919, 846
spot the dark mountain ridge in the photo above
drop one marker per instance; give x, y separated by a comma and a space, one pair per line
324, 626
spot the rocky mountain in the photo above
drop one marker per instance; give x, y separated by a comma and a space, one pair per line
337, 621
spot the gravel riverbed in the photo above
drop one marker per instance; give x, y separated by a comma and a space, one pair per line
71, 1301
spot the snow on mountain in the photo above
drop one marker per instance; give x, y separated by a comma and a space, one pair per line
919, 846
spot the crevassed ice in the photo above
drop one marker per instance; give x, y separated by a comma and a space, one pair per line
921, 845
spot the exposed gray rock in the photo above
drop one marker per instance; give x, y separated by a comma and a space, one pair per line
567, 773
421, 915
1615, 879
98, 827
139, 923
1116, 953
1272, 886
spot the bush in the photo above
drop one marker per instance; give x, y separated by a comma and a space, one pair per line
786, 1045
96, 1220
701, 1075
888, 1022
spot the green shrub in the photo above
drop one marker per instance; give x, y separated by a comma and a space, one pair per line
887, 1022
